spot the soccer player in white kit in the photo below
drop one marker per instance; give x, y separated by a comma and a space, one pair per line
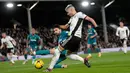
10, 43
72, 42
123, 33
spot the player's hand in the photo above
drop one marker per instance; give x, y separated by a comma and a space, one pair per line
96, 27
92, 37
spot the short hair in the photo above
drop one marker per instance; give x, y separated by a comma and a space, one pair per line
122, 20
56, 26
69, 6
3, 32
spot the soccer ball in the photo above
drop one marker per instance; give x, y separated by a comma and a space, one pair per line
38, 64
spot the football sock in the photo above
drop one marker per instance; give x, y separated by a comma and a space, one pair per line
33, 57
98, 50
62, 58
8, 56
58, 66
125, 48
76, 57
54, 59
25, 56
89, 51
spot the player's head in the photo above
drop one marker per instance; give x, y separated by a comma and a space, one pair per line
70, 9
3, 35
89, 25
33, 31
121, 22
57, 30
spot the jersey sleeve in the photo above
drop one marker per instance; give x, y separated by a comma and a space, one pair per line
38, 37
10, 38
81, 15
128, 31
94, 31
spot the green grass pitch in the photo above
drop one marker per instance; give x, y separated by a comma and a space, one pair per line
114, 62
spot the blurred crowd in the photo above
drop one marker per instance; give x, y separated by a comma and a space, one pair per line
49, 40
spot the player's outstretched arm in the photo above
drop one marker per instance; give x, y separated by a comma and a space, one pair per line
64, 26
91, 20
12, 40
1, 46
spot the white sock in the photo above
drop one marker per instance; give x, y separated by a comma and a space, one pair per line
54, 59
76, 57
15, 56
26, 60
12, 61
125, 46
1, 54
10, 58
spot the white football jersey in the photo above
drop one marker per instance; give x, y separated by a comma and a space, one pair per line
7, 40
122, 32
75, 20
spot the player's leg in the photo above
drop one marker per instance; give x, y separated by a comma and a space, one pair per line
76, 57
96, 47
89, 42
26, 55
33, 57
9, 55
89, 51
54, 60
61, 58
98, 50
73, 46
33, 49
125, 46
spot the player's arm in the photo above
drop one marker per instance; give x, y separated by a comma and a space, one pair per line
85, 17
91, 20
86, 37
2, 45
95, 34
128, 31
66, 26
117, 32
12, 40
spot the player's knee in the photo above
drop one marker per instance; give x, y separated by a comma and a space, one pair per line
52, 51
25, 52
88, 46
